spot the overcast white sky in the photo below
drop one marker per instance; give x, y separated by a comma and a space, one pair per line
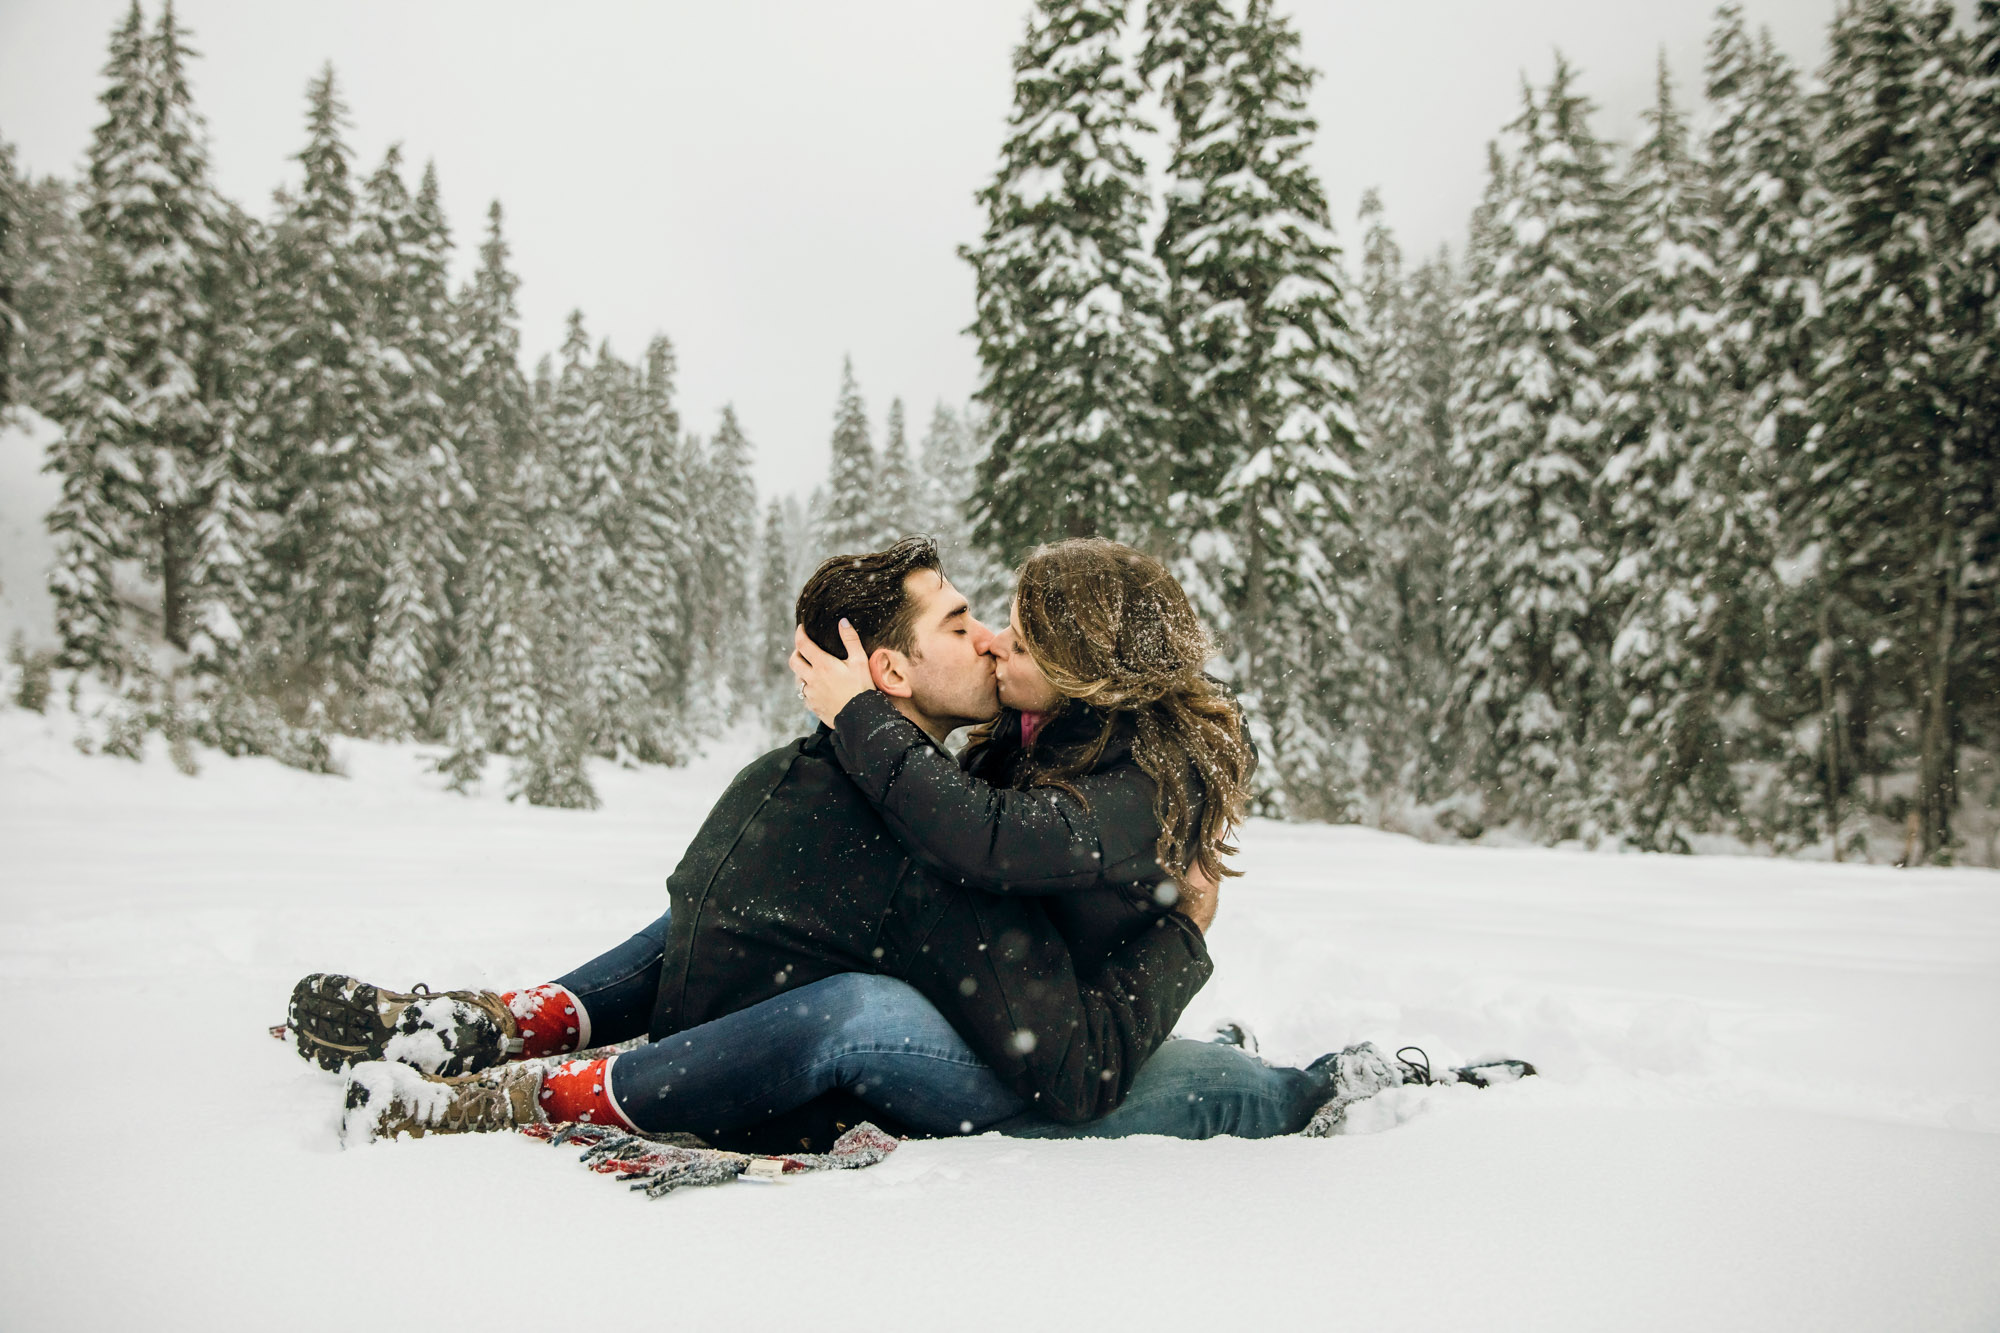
776, 183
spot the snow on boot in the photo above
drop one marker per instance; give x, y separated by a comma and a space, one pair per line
385, 1099
1356, 1073
1229, 1032
1490, 1073
338, 1021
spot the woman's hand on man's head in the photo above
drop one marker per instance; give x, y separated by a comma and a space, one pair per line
827, 682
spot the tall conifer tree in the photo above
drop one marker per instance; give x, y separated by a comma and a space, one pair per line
1891, 477
407, 247
1403, 505
667, 555
491, 699
899, 511
849, 522
1977, 363
1760, 164
321, 436
777, 594
949, 467
1529, 541
1068, 299
46, 263
1267, 362
148, 455
729, 553
1673, 584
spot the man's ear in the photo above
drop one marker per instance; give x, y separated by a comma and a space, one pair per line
890, 671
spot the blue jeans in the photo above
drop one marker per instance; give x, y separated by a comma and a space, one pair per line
881, 1040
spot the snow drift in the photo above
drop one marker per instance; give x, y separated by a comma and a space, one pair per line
1769, 1097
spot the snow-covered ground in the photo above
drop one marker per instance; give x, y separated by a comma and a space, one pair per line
1771, 1092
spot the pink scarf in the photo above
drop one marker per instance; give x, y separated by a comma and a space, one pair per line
1030, 724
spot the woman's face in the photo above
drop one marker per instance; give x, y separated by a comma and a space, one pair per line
1023, 687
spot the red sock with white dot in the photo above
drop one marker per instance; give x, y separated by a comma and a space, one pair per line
580, 1090
552, 1021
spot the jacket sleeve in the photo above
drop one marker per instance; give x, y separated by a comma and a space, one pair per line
1001, 973
1002, 841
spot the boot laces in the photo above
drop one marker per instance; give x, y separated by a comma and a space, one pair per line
1417, 1070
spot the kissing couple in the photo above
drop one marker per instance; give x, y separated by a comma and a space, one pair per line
867, 927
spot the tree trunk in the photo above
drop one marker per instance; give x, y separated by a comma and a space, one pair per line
1252, 628
1937, 788
174, 545
1829, 721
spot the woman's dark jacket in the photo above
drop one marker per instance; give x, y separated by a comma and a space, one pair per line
795, 876
1089, 852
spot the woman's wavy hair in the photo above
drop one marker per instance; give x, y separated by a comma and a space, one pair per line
1110, 627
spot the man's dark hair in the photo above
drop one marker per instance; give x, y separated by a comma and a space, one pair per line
868, 591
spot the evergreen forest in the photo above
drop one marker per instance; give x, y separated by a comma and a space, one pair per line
1659, 512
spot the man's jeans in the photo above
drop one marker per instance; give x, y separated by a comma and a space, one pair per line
879, 1039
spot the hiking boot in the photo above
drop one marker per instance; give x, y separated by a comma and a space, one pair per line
1490, 1073
1362, 1070
385, 1099
339, 1021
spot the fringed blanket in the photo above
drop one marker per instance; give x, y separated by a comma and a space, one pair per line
664, 1164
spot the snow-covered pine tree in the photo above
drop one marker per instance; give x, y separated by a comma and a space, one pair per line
655, 715
777, 615
568, 609
573, 494
1068, 299
948, 464
1759, 160
214, 526
1529, 544
1677, 583
849, 523
1889, 475
46, 267
1263, 345
1187, 44
490, 701
94, 458
899, 511
320, 436
407, 248
1403, 502
13, 237
148, 410
1976, 367
666, 557
728, 557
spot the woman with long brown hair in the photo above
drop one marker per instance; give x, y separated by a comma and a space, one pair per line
1103, 642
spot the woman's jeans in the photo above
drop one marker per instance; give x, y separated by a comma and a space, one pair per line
877, 1038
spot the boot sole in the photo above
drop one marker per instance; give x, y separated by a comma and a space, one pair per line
336, 1021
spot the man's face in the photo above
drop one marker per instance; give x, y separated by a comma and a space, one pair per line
950, 671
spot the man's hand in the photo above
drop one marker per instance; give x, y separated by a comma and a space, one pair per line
1197, 900
827, 682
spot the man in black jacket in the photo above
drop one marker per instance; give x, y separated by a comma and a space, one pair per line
794, 878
